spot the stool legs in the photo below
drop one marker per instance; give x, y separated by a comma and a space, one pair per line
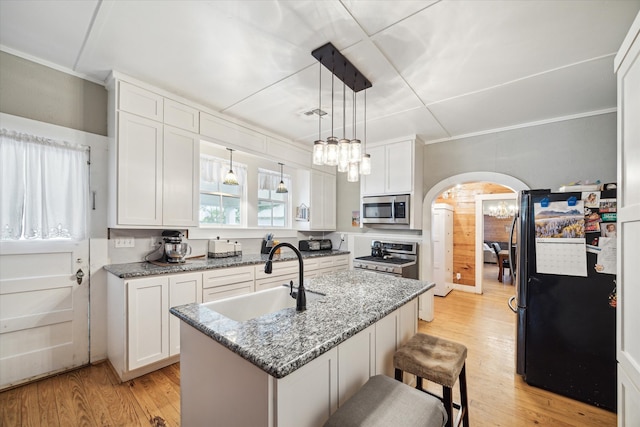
447, 397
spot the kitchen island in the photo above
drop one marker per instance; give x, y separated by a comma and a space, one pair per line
294, 368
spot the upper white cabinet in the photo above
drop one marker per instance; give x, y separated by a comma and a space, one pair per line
234, 135
154, 172
317, 191
140, 102
396, 168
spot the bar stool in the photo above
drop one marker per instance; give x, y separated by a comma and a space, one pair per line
384, 402
438, 360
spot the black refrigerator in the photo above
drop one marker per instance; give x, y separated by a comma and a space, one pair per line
566, 316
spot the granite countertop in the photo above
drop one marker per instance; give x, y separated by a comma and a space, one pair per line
141, 269
281, 342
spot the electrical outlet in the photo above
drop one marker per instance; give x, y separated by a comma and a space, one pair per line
125, 242
458, 276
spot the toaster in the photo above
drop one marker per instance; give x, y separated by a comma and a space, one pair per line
315, 245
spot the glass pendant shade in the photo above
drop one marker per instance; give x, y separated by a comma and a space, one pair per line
343, 155
365, 165
318, 152
353, 173
331, 158
230, 178
355, 151
281, 187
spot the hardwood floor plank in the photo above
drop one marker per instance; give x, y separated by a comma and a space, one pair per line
48, 412
29, 409
10, 414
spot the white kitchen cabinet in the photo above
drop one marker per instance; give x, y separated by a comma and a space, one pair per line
147, 321
323, 201
181, 116
321, 265
183, 289
141, 102
154, 168
139, 171
233, 135
180, 178
391, 332
141, 336
227, 282
442, 248
356, 363
627, 67
392, 169
283, 272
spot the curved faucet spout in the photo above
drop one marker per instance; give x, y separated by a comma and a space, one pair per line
301, 298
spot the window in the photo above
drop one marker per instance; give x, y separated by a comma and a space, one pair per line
44, 186
220, 204
273, 208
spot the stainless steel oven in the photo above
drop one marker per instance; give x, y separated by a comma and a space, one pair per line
385, 209
398, 259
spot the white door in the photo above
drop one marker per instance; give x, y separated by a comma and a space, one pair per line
44, 323
628, 285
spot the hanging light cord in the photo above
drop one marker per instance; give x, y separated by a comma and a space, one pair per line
320, 99
364, 145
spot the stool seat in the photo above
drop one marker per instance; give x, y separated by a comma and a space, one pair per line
431, 358
384, 402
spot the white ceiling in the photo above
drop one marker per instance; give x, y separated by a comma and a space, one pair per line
439, 69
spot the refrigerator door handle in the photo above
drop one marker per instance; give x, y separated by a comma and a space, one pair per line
513, 228
511, 300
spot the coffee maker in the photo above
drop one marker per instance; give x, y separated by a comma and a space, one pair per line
174, 250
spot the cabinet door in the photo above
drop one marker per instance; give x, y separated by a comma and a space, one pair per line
147, 321
181, 116
274, 282
183, 289
309, 396
329, 202
140, 102
227, 291
356, 363
139, 171
398, 167
374, 183
181, 167
323, 201
386, 343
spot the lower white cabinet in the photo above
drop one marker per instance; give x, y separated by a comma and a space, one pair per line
213, 380
227, 282
141, 336
320, 265
282, 273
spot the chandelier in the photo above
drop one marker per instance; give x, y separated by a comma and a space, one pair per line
502, 211
349, 155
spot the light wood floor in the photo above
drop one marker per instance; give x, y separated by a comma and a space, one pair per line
92, 396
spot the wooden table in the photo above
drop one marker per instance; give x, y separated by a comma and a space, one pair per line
503, 255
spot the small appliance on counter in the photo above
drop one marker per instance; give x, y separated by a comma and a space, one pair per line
175, 250
223, 248
315, 245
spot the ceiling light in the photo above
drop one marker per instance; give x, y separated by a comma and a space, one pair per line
281, 187
502, 211
318, 145
347, 155
231, 178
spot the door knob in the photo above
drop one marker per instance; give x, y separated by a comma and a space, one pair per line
79, 275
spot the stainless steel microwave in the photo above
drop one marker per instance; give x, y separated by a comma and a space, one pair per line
385, 209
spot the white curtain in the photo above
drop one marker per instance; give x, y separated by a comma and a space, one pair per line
269, 180
214, 170
44, 187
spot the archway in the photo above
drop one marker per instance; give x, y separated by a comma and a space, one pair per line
426, 257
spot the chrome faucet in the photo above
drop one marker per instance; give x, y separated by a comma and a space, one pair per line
300, 296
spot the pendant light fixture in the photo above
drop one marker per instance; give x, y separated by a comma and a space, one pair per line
331, 158
230, 178
318, 145
365, 163
281, 187
346, 154
343, 144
